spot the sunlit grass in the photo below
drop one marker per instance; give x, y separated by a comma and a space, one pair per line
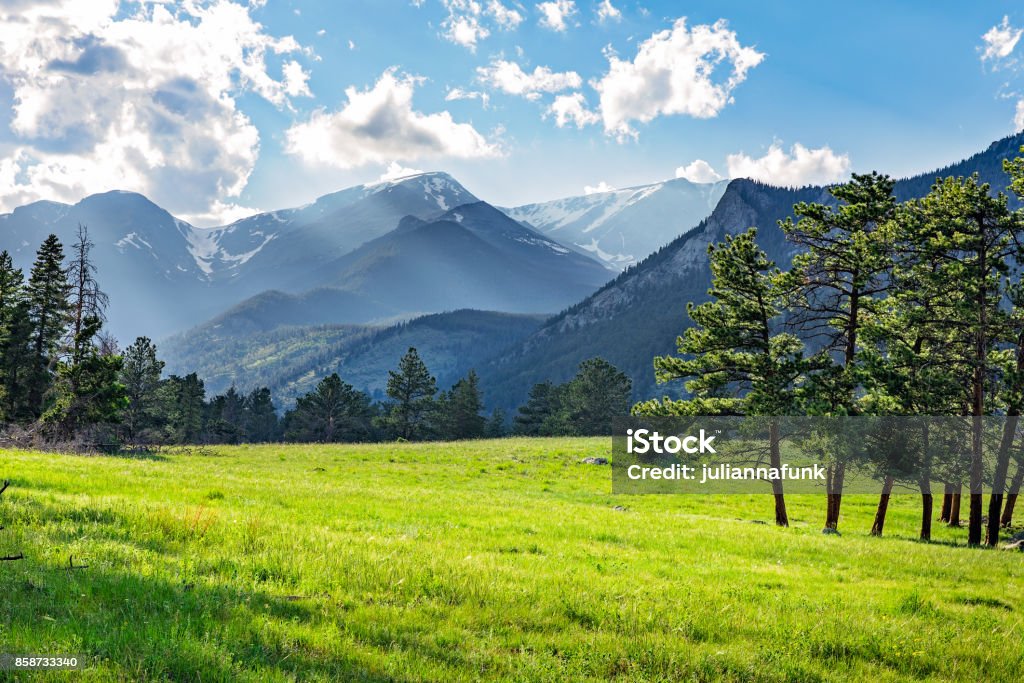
503, 559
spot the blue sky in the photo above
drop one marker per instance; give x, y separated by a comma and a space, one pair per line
218, 108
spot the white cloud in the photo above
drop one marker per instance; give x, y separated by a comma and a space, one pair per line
572, 109
454, 94
145, 101
509, 77
606, 11
597, 189
465, 24
698, 171
395, 170
465, 30
379, 125
801, 166
296, 80
674, 73
1000, 41
508, 19
554, 15
1018, 117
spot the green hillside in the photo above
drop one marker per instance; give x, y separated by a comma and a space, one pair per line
499, 560
291, 360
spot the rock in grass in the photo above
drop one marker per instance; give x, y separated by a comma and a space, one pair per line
829, 531
594, 461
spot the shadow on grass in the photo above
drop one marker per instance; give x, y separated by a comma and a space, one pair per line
148, 628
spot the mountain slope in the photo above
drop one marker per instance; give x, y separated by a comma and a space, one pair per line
284, 249
640, 313
291, 360
620, 227
164, 275
142, 253
473, 256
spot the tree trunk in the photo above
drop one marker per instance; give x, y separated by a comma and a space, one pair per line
835, 495
883, 507
781, 518
995, 502
1011, 496
954, 509
926, 516
947, 503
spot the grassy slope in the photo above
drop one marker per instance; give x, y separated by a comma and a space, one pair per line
503, 559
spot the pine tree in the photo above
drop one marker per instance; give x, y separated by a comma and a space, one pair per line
531, 415
49, 312
842, 272
975, 238
411, 389
460, 414
225, 422
334, 411
596, 396
86, 390
497, 426
735, 361
184, 408
261, 424
15, 332
140, 375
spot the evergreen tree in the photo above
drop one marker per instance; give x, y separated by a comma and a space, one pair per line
49, 312
140, 375
86, 390
539, 410
596, 396
261, 425
333, 411
497, 426
842, 271
225, 422
975, 238
184, 407
15, 332
735, 360
460, 411
411, 389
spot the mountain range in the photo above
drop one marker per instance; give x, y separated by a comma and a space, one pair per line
280, 296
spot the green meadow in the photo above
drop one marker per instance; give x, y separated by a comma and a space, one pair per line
490, 560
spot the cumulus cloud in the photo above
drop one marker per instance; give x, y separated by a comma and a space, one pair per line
597, 189
572, 110
455, 94
395, 170
606, 11
555, 15
674, 72
145, 101
1018, 118
466, 23
698, 171
509, 77
999, 41
379, 125
800, 166
507, 18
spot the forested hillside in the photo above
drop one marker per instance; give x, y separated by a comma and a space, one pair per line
639, 314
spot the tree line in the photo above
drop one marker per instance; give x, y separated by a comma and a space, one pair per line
889, 309
63, 381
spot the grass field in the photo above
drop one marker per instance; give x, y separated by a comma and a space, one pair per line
483, 560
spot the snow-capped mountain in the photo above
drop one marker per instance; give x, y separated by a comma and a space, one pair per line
164, 275
621, 227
